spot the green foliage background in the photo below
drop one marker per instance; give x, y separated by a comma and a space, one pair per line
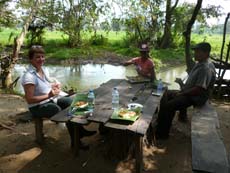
55, 46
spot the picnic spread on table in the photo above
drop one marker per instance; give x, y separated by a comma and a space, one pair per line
136, 111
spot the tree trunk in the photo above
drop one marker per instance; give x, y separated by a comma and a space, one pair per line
187, 34
18, 41
224, 37
167, 36
221, 72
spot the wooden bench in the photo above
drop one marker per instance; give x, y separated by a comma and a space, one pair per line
208, 151
38, 122
39, 135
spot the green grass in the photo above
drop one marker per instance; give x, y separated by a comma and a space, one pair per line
55, 45
5, 36
214, 39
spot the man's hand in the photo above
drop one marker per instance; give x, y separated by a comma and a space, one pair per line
176, 93
180, 82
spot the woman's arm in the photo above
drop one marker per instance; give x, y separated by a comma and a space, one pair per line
29, 94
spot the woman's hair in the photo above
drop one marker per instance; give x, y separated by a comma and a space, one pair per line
35, 49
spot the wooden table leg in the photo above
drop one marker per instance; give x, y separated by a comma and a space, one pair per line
76, 139
139, 153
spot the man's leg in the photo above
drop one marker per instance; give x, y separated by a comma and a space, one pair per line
82, 132
182, 116
167, 112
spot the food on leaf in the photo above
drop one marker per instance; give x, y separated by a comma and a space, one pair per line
124, 113
81, 104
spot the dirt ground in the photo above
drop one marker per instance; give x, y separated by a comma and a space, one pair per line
20, 153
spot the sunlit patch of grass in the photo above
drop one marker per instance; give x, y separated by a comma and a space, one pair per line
7, 36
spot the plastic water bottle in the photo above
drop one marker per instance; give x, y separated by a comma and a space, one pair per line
91, 100
159, 86
115, 98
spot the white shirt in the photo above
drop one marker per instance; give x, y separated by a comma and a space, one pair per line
42, 85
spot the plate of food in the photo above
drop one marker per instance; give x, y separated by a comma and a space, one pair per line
132, 106
81, 104
125, 114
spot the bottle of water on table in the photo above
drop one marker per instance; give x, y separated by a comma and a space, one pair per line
91, 100
115, 98
159, 87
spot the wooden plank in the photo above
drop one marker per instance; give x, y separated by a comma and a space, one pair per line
208, 150
112, 83
79, 120
61, 116
118, 125
120, 144
103, 107
127, 92
103, 90
150, 106
150, 103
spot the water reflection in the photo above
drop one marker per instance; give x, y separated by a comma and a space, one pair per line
84, 77
171, 74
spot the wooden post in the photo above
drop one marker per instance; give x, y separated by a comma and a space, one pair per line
139, 153
76, 139
223, 72
39, 130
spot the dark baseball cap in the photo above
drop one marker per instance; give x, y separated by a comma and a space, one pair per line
204, 46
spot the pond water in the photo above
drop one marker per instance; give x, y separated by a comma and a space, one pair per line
85, 77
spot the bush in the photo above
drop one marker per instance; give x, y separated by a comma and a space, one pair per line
98, 40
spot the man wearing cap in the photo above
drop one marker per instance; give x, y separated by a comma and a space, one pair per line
195, 91
144, 65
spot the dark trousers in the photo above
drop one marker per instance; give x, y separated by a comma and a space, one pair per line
170, 103
70, 127
50, 109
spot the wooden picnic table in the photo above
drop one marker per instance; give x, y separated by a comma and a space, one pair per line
103, 111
